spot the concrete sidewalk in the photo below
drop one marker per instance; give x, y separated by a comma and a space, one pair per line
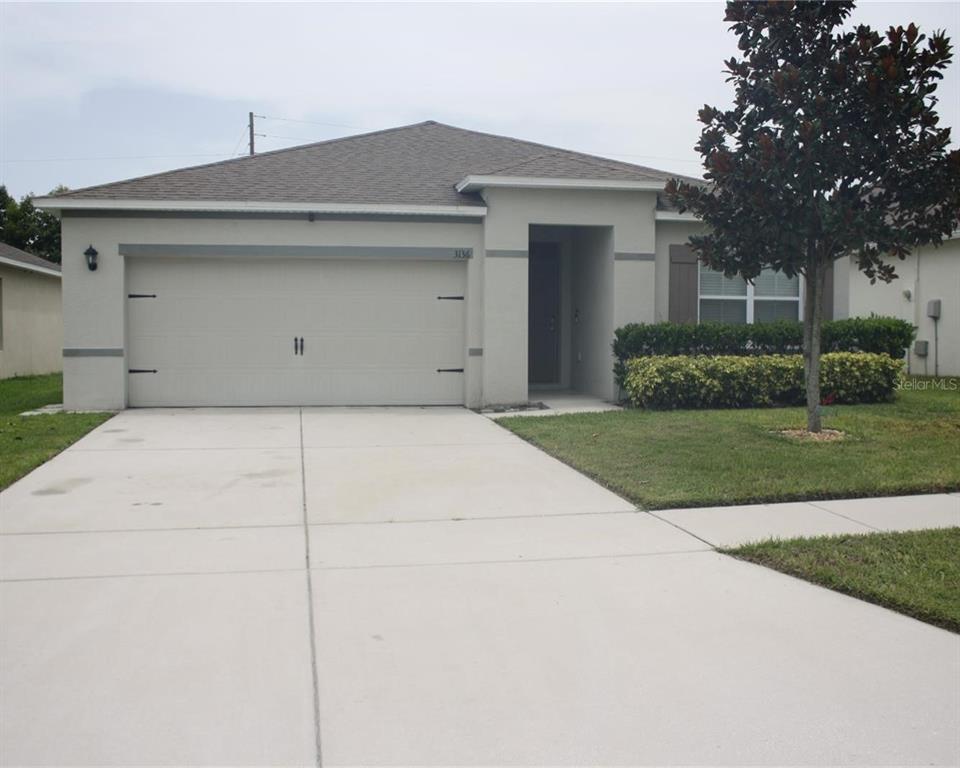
726, 527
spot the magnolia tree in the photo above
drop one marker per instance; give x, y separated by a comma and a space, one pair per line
832, 148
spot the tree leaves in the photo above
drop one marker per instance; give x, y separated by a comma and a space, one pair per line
833, 145
26, 227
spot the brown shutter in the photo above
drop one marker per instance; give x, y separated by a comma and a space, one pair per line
828, 294
682, 306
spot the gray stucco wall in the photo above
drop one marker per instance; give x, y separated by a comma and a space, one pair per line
622, 281
31, 326
95, 302
629, 282
929, 273
669, 233
593, 306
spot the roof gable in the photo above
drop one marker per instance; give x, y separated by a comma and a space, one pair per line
417, 164
17, 258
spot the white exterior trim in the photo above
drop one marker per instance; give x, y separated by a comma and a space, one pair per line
675, 216
473, 183
251, 206
29, 267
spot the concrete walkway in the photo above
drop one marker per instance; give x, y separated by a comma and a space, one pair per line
733, 526
417, 586
558, 403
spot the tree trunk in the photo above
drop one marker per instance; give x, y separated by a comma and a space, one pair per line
814, 281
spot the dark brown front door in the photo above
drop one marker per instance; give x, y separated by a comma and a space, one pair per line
543, 320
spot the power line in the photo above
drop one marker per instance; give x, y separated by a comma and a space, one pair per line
108, 157
236, 147
309, 122
289, 138
360, 128
598, 154
654, 157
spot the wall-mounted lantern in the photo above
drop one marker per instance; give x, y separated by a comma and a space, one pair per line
91, 254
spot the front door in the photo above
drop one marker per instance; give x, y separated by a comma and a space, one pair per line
543, 320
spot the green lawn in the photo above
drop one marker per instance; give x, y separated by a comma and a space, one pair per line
661, 459
916, 573
28, 441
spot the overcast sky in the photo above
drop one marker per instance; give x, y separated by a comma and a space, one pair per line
99, 92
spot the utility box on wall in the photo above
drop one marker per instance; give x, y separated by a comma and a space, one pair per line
933, 308
921, 348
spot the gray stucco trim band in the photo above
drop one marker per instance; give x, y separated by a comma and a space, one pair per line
475, 351
623, 256
492, 254
92, 352
412, 253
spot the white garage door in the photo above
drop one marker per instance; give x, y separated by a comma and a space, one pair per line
294, 332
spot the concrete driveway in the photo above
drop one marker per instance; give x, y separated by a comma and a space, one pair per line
417, 586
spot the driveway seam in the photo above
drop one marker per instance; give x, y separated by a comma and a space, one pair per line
153, 530
845, 517
149, 575
145, 449
312, 633
514, 561
681, 528
339, 446
479, 519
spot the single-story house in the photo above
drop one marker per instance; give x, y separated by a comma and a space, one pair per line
425, 264
31, 323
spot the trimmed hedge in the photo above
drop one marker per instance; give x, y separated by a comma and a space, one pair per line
728, 381
886, 335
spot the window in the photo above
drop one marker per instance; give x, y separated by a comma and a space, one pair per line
773, 296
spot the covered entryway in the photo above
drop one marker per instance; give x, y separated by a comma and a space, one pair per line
263, 331
570, 320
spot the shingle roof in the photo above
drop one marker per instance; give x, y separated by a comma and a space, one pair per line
415, 165
15, 254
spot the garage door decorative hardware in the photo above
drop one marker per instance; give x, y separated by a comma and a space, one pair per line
298, 345
141, 295
449, 370
450, 298
142, 370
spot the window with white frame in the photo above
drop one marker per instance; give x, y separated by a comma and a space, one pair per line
772, 296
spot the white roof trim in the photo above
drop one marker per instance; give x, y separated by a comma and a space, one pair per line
250, 206
28, 267
474, 183
675, 216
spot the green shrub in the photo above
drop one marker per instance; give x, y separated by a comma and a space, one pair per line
886, 335
731, 381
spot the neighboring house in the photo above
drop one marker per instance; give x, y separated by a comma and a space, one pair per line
425, 264
31, 323
928, 275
